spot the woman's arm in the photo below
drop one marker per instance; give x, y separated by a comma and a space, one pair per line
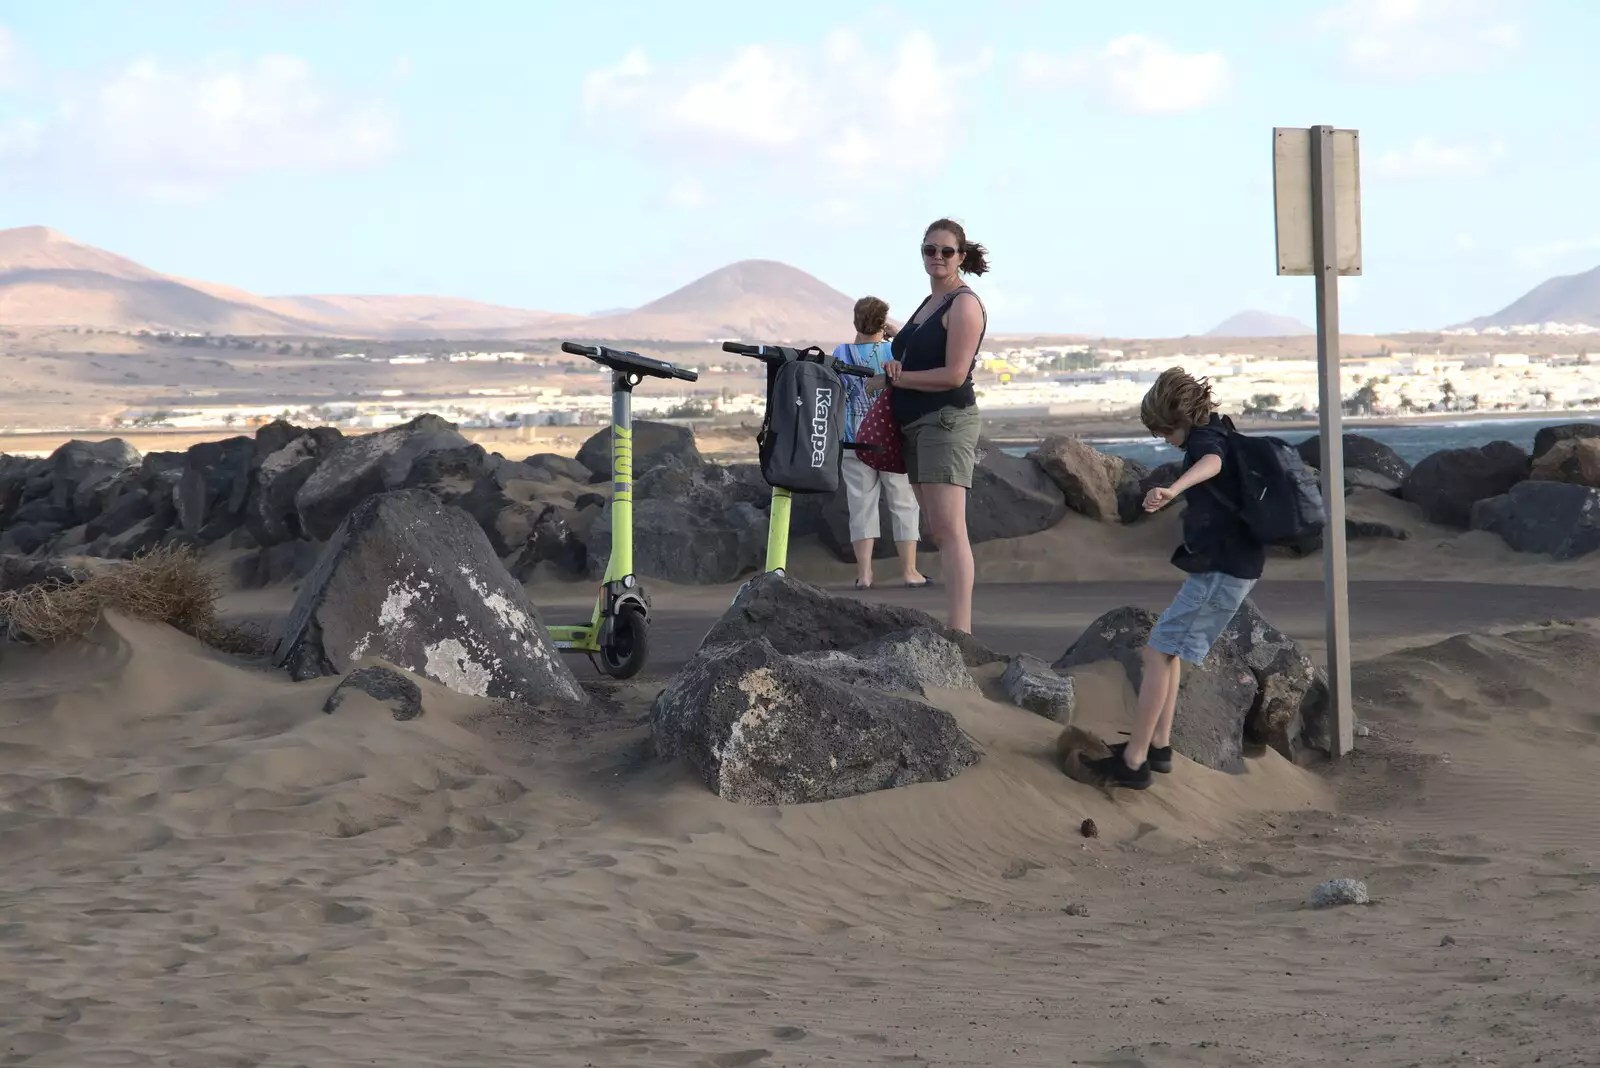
964, 326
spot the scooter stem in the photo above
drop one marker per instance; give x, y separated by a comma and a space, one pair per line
778, 530
621, 562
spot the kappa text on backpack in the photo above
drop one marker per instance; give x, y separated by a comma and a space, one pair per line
799, 442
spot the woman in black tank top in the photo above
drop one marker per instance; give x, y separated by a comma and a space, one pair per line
933, 401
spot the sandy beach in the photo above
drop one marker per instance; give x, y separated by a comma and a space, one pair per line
204, 868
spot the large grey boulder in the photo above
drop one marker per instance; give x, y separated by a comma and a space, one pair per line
214, 486
1292, 710
1361, 453
694, 523
653, 443
1089, 479
1447, 484
1550, 436
1011, 497
357, 467
1214, 699
1032, 684
762, 728
910, 661
78, 466
797, 617
415, 582
1559, 518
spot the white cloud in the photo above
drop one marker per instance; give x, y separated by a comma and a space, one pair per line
168, 131
1427, 158
1404, 39
9, 61
402, 67
845, 110
1136, 74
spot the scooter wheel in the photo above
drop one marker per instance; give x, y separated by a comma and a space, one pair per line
625, 655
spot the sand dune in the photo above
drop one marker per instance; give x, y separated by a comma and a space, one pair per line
203, 868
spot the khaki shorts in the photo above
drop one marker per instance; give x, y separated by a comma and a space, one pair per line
942, 447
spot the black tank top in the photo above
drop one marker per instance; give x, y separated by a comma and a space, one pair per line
921, 347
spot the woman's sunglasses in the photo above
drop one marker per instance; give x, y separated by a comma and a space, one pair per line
943, 251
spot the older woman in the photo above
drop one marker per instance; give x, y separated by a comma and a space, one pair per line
862, 484
935, 404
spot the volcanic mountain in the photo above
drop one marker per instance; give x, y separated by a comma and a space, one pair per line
48, 279
1572, 299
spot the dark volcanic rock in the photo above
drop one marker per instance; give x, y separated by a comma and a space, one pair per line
270, 512
81, 465
1032, 684
400, 693
911, 661
415, 582
653, 444
20, 572
1291, 712
1446, 484
694, 523
1576, 460
1087, 477
1214, 700
214, 486
796, 617
1550, 436
552, 465
551, 540
1558, 518
1360, 453
762, 728
358, 467
129, 509
271, 564
1011, 497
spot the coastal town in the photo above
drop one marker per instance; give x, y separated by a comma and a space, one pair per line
1020, 381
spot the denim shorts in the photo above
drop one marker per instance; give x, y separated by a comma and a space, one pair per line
1201, 611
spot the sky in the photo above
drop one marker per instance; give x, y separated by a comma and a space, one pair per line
1114, 158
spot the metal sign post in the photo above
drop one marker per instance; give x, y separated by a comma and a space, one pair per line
1317, 193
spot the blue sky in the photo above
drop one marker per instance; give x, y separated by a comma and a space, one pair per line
1114, 157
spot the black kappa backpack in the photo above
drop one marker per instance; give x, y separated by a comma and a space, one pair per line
1280, 497
799, 441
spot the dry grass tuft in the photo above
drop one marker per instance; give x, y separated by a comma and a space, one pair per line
165, 585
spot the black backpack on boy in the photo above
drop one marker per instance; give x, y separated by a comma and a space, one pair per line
1280, 497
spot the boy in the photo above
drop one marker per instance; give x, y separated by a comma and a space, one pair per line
1223, 559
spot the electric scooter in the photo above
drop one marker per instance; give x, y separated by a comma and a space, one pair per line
775, 356
618, 631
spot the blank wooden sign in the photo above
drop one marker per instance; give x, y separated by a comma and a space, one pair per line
1291, 187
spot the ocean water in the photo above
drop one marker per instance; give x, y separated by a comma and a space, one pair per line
1411, 442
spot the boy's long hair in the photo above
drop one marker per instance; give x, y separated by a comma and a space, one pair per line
1178, 401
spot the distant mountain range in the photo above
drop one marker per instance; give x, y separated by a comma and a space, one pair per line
1259, 324
1572, 299
48, 279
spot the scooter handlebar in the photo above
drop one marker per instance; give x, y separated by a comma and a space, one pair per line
580, 350
780, 353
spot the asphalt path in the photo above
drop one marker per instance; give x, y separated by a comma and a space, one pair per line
1045, 618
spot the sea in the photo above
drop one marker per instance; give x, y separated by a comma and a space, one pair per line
1412, 442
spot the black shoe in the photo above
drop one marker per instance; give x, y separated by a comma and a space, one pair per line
1160, 759
1114, 771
